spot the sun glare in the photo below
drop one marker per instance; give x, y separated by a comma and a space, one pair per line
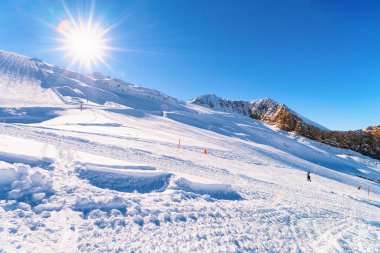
85, 44
83, 41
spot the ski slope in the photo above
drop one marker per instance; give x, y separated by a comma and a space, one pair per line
128, 173
116, 181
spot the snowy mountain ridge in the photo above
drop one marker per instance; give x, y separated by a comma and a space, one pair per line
263, 109
42, 83
218, 103
366, 141
26, 82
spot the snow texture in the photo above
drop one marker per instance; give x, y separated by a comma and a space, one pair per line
127, 173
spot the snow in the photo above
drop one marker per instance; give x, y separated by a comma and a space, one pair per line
23, 183
125, 180
217, 191
112, 177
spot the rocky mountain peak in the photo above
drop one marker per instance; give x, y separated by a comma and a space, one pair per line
221, 104
366, 141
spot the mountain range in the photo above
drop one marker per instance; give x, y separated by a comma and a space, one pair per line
365, 141
29, 81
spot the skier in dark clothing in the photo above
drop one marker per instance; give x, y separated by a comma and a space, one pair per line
308, 176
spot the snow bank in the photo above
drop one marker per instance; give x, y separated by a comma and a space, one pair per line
28, 115
87, 204
217, 191
21, 182
33, 153
143, 181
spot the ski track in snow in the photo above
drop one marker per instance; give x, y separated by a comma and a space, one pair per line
271, 217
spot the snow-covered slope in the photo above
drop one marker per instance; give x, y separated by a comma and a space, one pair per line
134, 177
366, 141
21, 82
27, 82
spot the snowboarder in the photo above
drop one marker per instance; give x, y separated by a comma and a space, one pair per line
359, 187
308, 176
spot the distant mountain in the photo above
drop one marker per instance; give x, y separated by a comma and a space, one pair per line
218, 103
366, 141
30, 82
266, 110
26, 81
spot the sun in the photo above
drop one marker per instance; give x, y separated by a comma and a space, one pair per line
85, 43
83, 37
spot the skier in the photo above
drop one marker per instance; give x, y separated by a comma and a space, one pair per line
308, 176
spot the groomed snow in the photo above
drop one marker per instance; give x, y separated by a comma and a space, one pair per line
128, 173
118, 181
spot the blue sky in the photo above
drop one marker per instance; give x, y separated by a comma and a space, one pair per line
321, 58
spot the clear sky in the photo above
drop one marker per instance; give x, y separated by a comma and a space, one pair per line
319, 57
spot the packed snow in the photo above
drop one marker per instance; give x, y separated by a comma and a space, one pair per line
128, 172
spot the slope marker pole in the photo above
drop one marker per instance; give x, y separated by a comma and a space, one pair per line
178, 146
3, 124
368, 191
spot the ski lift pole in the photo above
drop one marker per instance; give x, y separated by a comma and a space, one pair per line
368, 190
315, 168
178, 146
3, 123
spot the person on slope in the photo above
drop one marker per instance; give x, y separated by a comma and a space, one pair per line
308, 176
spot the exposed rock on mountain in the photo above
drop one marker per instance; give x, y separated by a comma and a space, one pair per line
366, 141
215, 102
271, 112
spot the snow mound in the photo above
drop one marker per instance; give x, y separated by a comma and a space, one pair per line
23, 183
28, 114
216, 191
141, 181
94, 166
88, 204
